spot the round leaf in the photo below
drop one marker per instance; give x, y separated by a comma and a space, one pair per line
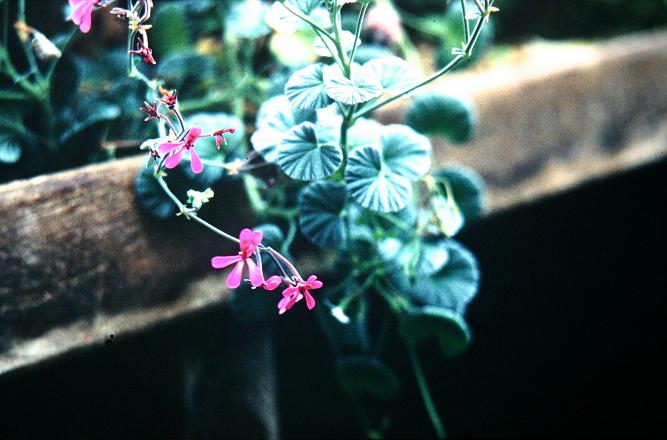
151, 197
320, 208
442, 115
305, 88
394, 73
303, 156
274, 119
372, 184
364, 132
362, 87
360, 375
406, 152
449, 328
467, 187
453, 287
420, 257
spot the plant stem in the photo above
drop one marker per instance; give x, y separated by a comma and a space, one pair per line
360, 22
192, 215
423, 388
453, 63
316, 27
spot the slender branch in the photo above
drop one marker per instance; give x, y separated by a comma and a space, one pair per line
302, 16
357, 32
426, 394
466, 25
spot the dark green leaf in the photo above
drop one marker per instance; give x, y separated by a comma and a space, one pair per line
372, 184
405, 152
366, 375
151, 197
93, 117
169, 32
453, 287
442, 115
65, 82
449, 328
467, 187
419, 257
320, 207
302, 155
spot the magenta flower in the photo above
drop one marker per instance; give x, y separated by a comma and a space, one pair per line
145, 52
294, 294
186, 144
82, 11
272, 283
249, 240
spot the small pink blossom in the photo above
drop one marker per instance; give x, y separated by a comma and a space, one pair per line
272, 283
249, 240
82, 11
219, 138
180, 147
145, 52
294, 294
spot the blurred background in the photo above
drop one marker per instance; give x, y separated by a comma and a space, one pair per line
568, 326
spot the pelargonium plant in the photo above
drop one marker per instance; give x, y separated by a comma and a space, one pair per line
358, 191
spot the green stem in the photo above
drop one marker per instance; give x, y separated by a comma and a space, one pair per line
466, 25
360, 22
453, 63
338, 32
423, 388
316, 27
192, 215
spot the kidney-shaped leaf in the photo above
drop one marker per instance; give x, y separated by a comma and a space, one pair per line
305, 88
303, 156
406, 152
453, 287
467, 187
320, 208
449, 328
361, 375
372, 184
362, 87
420, 257
442, 115
395, 74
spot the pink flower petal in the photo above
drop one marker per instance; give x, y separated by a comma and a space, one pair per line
255, 275
87, 20
310, 301
222, 262
193, 135
169, 146
234, 277
195, 163
173, 160
272, 283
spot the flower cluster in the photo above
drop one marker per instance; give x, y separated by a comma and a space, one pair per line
249, 255
137, 15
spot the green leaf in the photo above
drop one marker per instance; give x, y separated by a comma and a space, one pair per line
274, 119
306, 6
64, 83
321, 46
366, 375
364, 132
362, 87
10, 149
379, 177
453, 287
395, 73
304, 156
418, 257
406, 152
372, 184
449, 328
169, 32
95, 116
151, 197
320, 208
442, 115
305, 88
245, 19
467, 187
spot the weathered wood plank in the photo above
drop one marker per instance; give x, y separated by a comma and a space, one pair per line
78, 259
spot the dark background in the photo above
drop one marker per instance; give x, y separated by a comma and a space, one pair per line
568, 340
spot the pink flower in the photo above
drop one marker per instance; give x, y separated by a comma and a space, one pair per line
219, 138
249, 240
294, 294
145, 52
186, 144
272, 283
82, 11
